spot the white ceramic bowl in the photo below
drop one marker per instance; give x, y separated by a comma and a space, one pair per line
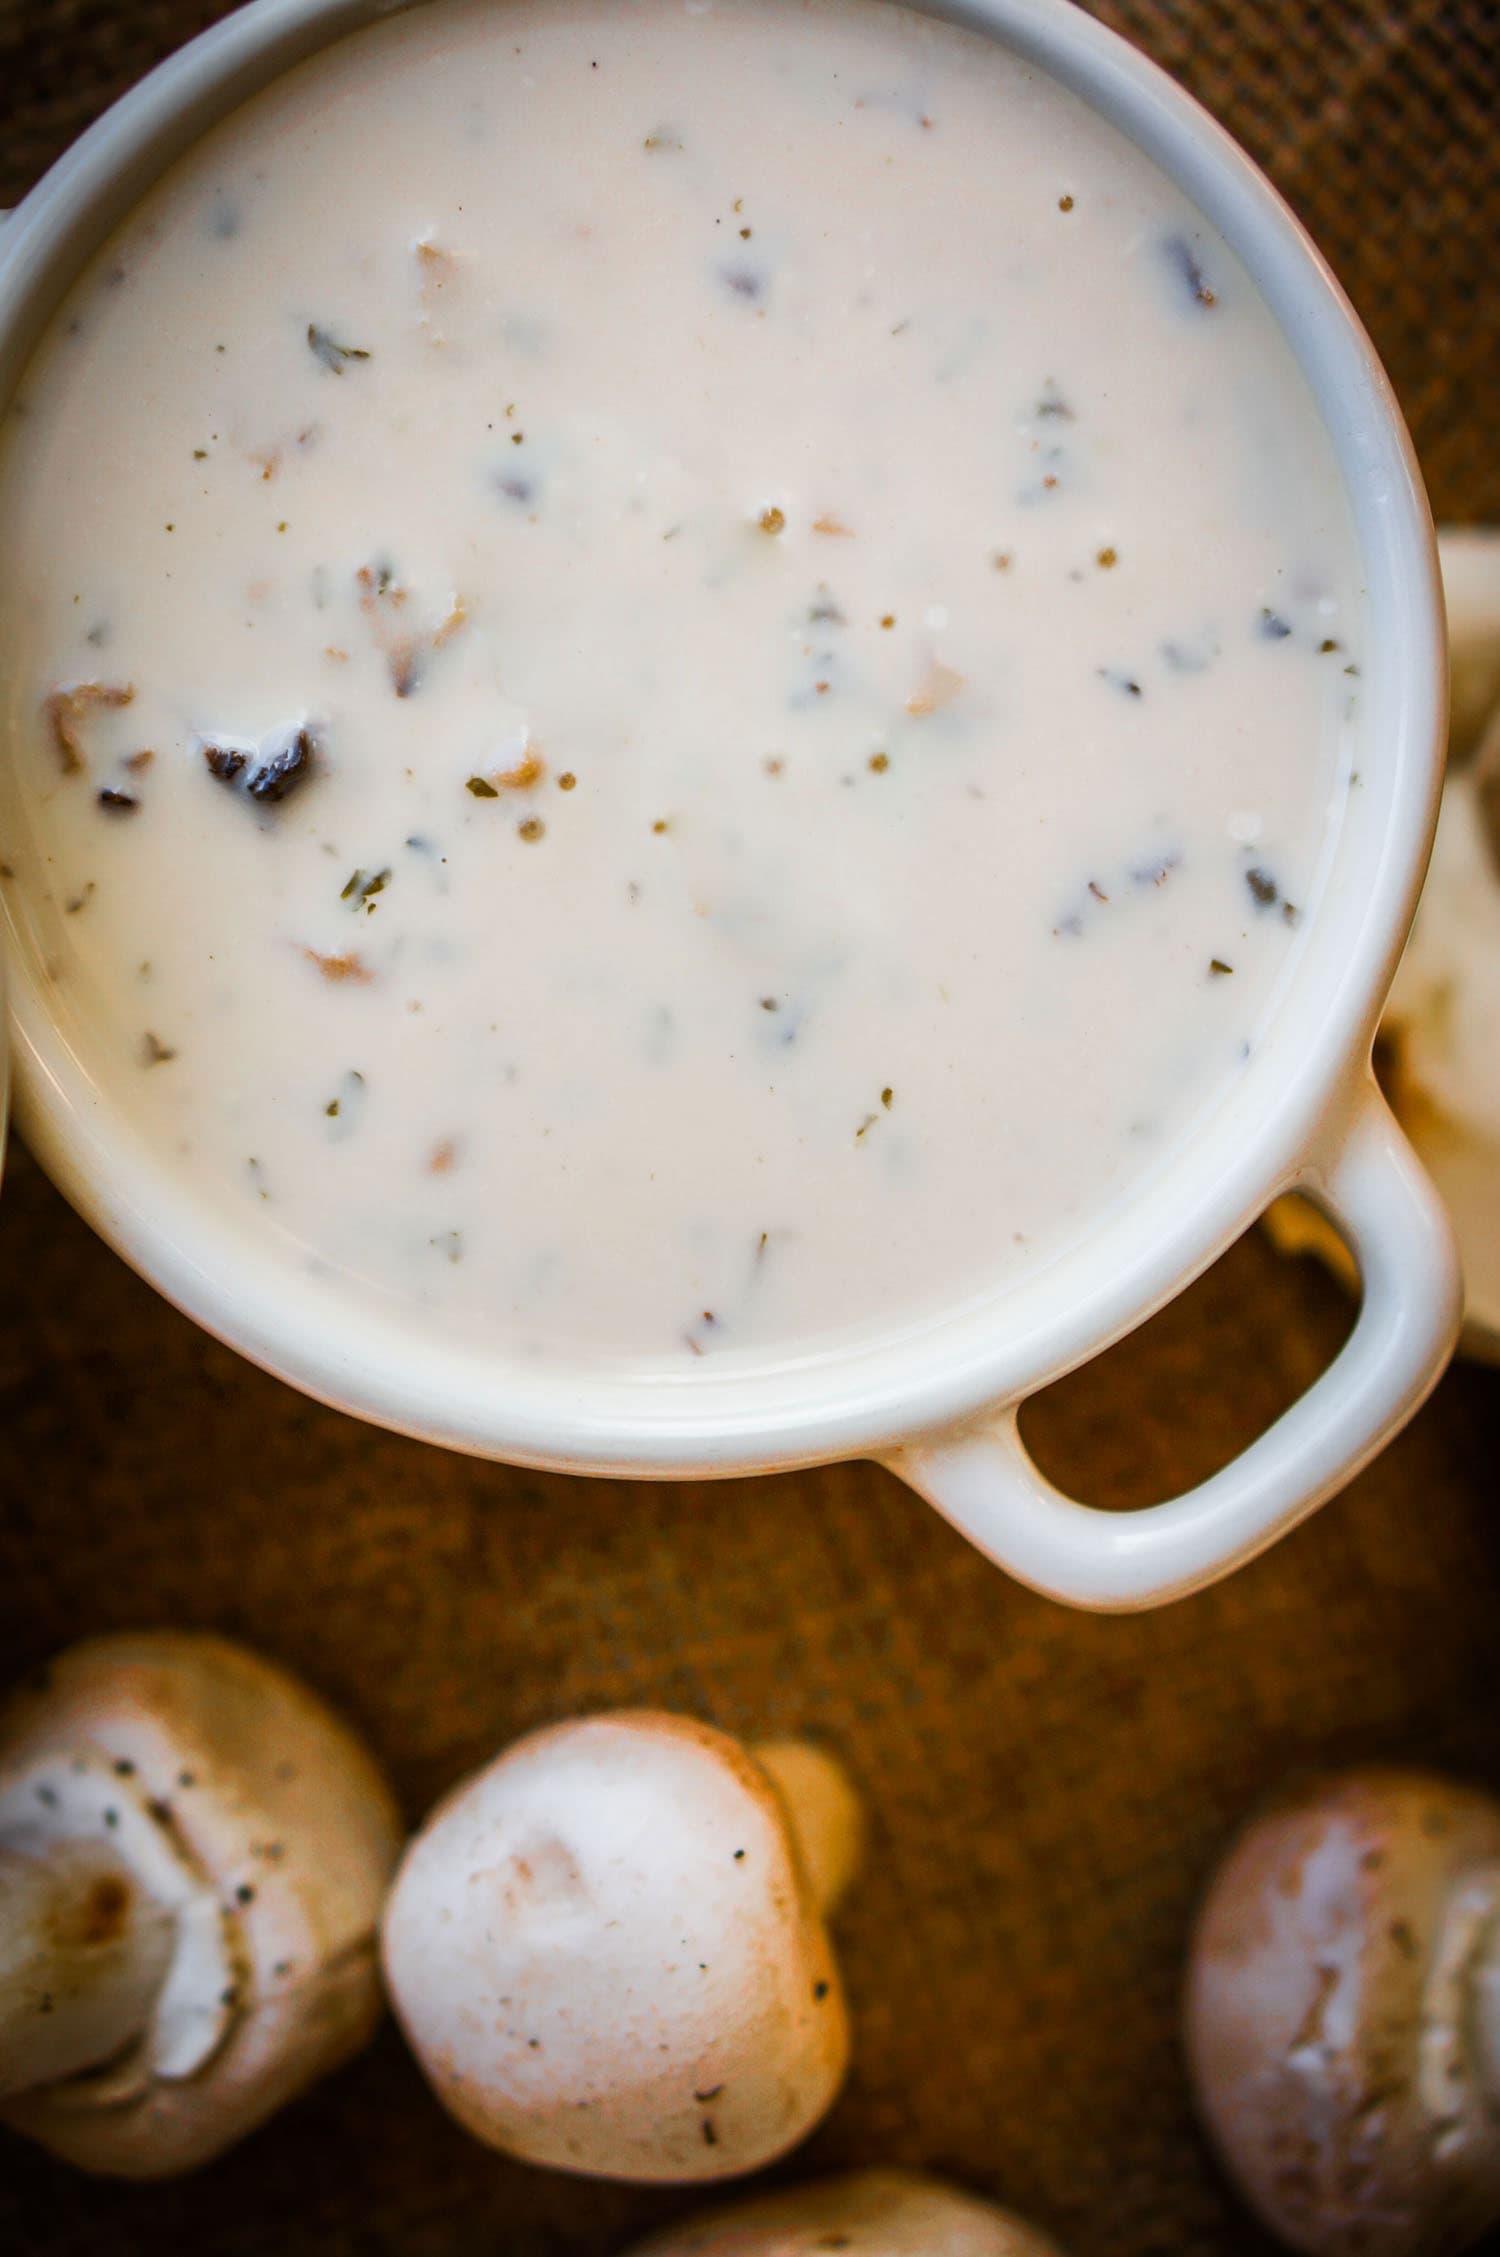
939, 1403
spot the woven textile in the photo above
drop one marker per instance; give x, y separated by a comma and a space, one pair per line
1046, 1789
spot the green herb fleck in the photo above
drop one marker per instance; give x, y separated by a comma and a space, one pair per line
329, 351
360, 891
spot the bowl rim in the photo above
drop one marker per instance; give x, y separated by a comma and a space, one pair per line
865, 1397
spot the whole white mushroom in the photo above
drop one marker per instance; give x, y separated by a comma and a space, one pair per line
1343, 2015
607, 1949
867, 2214
193, 1852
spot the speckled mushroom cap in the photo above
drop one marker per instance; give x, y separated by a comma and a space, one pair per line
608, 1958
1343, 2007
285, 1834
868, 2214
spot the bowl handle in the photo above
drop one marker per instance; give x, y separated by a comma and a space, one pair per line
982, 1479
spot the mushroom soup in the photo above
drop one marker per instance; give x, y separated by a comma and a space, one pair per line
676, 678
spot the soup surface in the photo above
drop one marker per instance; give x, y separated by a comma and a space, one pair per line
675, 678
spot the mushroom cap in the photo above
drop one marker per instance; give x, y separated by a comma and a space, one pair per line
1444, 1011
867, 2214
1333, 2029
1441, 1047
607, 1957
291, 1832
1470, 559
1446, 997
1443, 1025
1441, 1052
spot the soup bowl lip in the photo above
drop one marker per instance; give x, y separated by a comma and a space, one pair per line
721, 1415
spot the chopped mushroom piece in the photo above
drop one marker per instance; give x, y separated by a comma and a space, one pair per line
193, 1851
1343, 2015
938, 688
868, 2214
607, 1951
65, 710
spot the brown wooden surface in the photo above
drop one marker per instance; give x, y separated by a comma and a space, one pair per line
1047, 1790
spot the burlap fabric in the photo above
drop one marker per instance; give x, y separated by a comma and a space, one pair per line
1046, 1789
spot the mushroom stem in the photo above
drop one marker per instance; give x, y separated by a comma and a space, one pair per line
822, 1812
83, 1955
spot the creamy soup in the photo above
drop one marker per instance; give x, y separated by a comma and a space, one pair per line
675, 678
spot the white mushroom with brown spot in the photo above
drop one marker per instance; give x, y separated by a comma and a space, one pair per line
608, 1953
867, 2214
193, 1853
1343, 2015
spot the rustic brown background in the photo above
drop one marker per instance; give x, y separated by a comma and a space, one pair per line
1047, 1789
